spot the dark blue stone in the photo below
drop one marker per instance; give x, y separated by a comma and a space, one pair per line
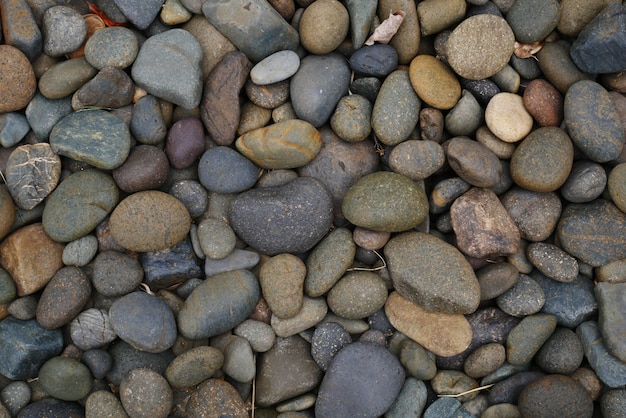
601, 46
52, 408
25, 346
376, 60
508, 390
327, 340
609, 369
170, 266
224, 170
147, 124
571, 303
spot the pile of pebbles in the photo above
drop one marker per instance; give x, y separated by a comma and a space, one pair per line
214, 207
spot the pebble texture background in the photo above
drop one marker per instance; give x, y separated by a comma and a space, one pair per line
294, 208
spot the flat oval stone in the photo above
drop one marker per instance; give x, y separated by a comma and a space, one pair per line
482, 225
544, 102
555, 394
259, 334
42, 114
79, 204
63, 297
357, 295
442, 334
149, 220
288, 218
92, 329
64, 30
366, 203
95, 137
223, 170
543, 160
65, 378
435, 16
609, 369
417, 159
473, 162
484, 360
270, 96
215, 397
571, 303
432, 273
527, 337
349, 388
19, 83
115, 273
193, 366
145, 168
65, 77
185, 142
289, 144
277, 67
396, 110
32, 172
327, 340
281, 278
312, 312
606, 221
110, 88
318, 85
231, 297
495, 279
552, 261
217, 238
592, 121
524, 298
465, 117
434, 82
237, 259
533, 20
376, 60
480, 46
113, 46
507, 117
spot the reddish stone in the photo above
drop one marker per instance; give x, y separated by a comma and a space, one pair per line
544, 102
185, 142
17, 79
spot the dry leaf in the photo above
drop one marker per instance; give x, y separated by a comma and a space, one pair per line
527, 50
385, 31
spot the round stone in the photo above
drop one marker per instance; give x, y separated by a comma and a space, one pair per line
556, 395
473, 162
368, 239
357, 295
92, 329
217, 238
18, 79
352, 118
495, 279
480, 46
145, 168
65, 378
323, 26
434, 82
553, 262
417, 159
543, 160
585, 183
484, 360
185, 142
224, 170
327, 340
281, 278
65, 77
64, 30
102, 403
145, 393
507, 117
115, 273
544, 102
113, 46
535, 213
525, 298
149, 221
193, 195
80, 252
215, 397
562, 353
384, 201
533, 20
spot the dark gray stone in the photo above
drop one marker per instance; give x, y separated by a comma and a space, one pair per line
174, 265
509, 389
327, 340
147, 124
533, 20
139, 13
586, 182
376, 60
115, 273
562, 353
42, 114
525, 298
610, 370
611, 299
126, 358
446, 407
52, 408
224, 170
192, 195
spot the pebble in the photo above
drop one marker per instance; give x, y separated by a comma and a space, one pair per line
13, 128
507, 117
8, 210
608, 368
600, 216
574, 17
598, 134
65, 378
216, 237
496, 279
543, 102
411, 400
396, 109
317, 86
101, 404
270, 96
526, 338
115, 273
454, 382
611, 272
362, 14
432, 273
53, 407
612, 316
367, 87
484, 360
145, 310
507, 79
445, 407
282, 281
63, 298
145, 393
443, 334
21, 30
148, 221
323, 26
347, 387
126, 358
509, 389
42, 114
95, 137
434, 82
63, 29
406, 41
328, 262
465, 117
536, 214
92, 329
145, 168
562, 353
312, 312
504, 410
19, 83
417, 361
239, 362
600, 45
435, 16
260, 335
585, 182
192, 195
357, 294
482, 225
219, 108
113, 46
65, 77
110, 88
253, 117
417, 159
288, 144
32, 173
25, 346
15, 396
445, 192
23, 308
557, 66
300, 212
185, 142
526, 297
215, 397
376, 60
223, 170
285, 371
555, 394
480, 46
473, 162
171, 266
552, 261
8, 291
533, 20
232, 296
277, 67
351, 120
613, 403
21, 247
370, 240
572, 303
327, 340
237, 259
140, 15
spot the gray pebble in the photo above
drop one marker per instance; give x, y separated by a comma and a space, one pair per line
237, 259
80, 252
586, 182
91, 329
327, 340
15, 396
562, 353
417, 361
552, 261
217, 239
194, 366
13, 128
525, 298
64, 30
260, 335
193, 196
113, 46
145, 393
115, 273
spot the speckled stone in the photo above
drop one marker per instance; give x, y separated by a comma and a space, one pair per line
323, 26
612, 316
465, 117
357, 295
436, 16
312, 312
552, 261
418, 362
533, 20
417, 159
562, 353
352, 118
114, 46
65, 378
274, 68
535, 213
194, 366
145, 168
434, 82
473, 162
525, 340
63, 297
524, 298
102, 404
19, 83
555, 395
65, 77
544, 102
281, 279
495, 279
407, 40
215, 397
557, 66
145, 393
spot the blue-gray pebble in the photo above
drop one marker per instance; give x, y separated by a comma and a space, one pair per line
224, 170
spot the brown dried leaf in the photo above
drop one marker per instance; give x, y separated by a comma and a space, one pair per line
527, 50
385, 31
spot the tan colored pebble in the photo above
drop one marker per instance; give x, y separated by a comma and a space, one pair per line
18, 79
507, 117
434, 82
323, 26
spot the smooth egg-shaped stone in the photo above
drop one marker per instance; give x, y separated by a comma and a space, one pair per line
417, 159
218, 304
95, 137
543, 160
385, 201
65, 378
434, 82
323, 26
396, 110
593, 122
289, 144
507, 117
79, 204
277, 67
149, 221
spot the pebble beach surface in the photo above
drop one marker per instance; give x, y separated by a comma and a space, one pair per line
248, 208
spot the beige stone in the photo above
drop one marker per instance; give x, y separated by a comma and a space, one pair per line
507, 117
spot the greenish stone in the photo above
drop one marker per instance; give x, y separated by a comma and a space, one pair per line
396, 111
65, 378
594, 232
525, 340
362, 13
533, 20
611, 299
8, 291
328, 261
95, 137
357, 295
79, 204
352, 118
385, 201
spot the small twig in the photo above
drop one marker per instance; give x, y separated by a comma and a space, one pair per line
146, 289
478, 389
371, 269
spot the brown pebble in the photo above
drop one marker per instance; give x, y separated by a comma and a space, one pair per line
145, 168
18, 79
368, 239
544, 102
